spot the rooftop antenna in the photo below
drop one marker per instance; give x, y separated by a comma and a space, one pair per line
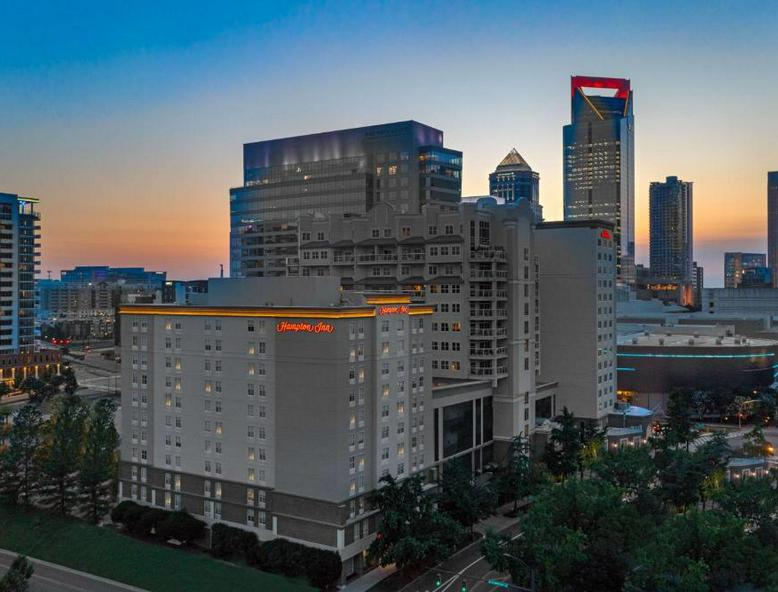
221, 270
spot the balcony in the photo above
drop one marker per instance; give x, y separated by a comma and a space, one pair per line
412, 257
382, 258
347, 260
488, 274
499, 332
488, 372
487, 255
489, 313
488, 352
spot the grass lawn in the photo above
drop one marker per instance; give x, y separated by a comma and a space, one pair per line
107, 553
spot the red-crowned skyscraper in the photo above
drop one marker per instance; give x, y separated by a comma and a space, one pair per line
599, 162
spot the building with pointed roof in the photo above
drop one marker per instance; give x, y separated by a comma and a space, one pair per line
514, 180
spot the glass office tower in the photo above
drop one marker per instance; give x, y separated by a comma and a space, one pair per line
20, 233
737, 264
599, 162
343, 172
772, 225
670, 230
514, 180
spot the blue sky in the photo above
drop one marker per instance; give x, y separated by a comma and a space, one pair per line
127, 119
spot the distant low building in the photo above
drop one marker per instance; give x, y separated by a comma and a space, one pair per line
82, 304
655, 359
736, 264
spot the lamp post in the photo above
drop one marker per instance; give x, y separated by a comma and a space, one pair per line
525, 564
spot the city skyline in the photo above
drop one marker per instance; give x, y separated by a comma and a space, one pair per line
149, 118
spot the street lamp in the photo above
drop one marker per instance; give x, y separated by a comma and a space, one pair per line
525, 564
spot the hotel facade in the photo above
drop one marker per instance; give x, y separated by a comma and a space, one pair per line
282, 417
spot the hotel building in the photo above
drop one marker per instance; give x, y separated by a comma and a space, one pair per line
276, 404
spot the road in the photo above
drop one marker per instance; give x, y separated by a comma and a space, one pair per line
97, 378
49, 577
469, 566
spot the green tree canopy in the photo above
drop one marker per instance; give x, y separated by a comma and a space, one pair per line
412, 532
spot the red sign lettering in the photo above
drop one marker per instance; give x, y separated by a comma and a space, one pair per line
605, 234
394, 309
304, 327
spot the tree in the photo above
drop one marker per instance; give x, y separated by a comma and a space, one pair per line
754, 443
564, 446
755, 501
462, 497
514, 479
19, 462
99, 461
412, 532
687, 477
679, 427
576, 536
17, 576
592, 443
764, 407
631, 469
738, 407
70, 381
62, 450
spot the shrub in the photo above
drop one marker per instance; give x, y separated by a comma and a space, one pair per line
133, 516
119, 512
227, 541
149, 521
322, 568
323, 571
180, 525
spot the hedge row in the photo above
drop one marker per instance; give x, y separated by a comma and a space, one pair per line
155, 522
321, 568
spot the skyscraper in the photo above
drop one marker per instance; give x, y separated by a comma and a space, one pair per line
671, 233
342, 172
599, 162
735, 264
772, 225
19, 259
514, 180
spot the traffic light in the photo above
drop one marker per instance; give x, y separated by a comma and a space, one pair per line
438, 581
463, 588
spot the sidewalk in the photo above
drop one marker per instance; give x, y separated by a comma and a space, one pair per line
370, 579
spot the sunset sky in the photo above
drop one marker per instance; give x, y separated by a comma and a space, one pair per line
127, 119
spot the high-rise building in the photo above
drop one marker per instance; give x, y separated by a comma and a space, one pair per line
282, 417
20, 232
735, 264
698, 282
772, 225
599, 162
478, 266
514, 180
671, 230
343, 172
577, 279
